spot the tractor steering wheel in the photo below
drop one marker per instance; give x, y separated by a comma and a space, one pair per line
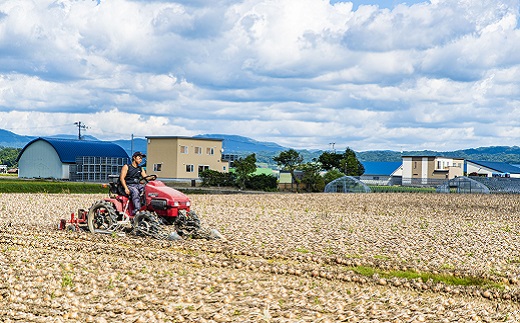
149, 178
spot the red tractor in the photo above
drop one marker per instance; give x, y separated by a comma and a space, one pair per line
163, 209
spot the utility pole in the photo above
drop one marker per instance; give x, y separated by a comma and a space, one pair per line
332, 145
132, 146
80, 126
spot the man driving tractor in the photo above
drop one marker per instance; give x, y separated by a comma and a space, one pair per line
130, 177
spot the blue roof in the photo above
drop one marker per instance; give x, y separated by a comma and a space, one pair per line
380, 168
69, 149
500, 167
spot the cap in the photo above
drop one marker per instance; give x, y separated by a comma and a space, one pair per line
138, 153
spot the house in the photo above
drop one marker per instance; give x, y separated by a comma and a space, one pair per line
430, 170
66, 159
491, 169
382, 173
175, 157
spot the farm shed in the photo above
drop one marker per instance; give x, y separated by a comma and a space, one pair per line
491, 169
56, 158
382, 173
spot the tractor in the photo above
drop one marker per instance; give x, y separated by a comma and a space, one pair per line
165, 214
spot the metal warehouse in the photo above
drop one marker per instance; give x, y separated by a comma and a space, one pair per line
75, 160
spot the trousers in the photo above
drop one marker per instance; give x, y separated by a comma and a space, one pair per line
136, 190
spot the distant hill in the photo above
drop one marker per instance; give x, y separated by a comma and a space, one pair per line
238, 144
10, 139
265, 151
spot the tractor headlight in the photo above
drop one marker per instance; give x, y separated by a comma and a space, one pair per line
176, 204
188, 203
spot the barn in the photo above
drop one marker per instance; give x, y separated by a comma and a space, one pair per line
75, 160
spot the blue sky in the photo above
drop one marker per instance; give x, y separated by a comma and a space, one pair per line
389, 4
399, 75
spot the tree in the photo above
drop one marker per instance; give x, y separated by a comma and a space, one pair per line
350, 164
289, 160
330, 160
244, 167
8, 156
346, 162
312, 178
332, 175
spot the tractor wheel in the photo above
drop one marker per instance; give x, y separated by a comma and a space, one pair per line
148, 224
101, 217
188, 225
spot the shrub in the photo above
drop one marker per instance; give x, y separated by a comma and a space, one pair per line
215, 178
262, 182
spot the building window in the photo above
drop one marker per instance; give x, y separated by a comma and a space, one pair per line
157, 167
414, 165
189, 168
198, 150
203, 168
184, 149
210, 151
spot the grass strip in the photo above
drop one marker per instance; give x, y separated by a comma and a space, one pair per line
425, 276
53, 187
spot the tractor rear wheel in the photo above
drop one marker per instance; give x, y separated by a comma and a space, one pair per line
101, 217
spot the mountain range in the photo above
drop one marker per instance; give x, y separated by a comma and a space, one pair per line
264, 151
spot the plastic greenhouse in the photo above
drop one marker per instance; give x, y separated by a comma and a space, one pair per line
347, 184
463, 184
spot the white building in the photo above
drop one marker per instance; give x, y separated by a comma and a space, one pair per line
491, 169
57, 159
430, 170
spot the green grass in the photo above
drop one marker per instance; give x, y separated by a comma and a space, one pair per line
401, 189
436, 278
48, 186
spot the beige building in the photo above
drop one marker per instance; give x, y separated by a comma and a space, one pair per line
430, 170
183, 157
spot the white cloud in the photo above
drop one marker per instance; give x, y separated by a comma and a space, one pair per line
303, 73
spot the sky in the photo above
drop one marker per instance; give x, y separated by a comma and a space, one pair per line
306, 74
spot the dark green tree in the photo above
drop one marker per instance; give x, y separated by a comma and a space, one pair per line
244, 167
311, 177
289, 160
332, 175
330, 160
346, 162
350, 165
8, 156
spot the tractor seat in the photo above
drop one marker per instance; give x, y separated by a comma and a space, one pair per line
117, 188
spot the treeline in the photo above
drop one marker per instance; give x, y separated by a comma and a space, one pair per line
8, 156
506, 154
314, 175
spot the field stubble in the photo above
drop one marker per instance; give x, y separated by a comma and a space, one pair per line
288, 258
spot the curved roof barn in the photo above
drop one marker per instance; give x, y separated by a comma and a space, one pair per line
51, 157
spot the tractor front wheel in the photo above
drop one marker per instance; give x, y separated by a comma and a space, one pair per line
101, 217
148, 224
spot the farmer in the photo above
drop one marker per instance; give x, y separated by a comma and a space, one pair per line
130, 176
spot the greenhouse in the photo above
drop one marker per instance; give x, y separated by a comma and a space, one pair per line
463, 184
347, 184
